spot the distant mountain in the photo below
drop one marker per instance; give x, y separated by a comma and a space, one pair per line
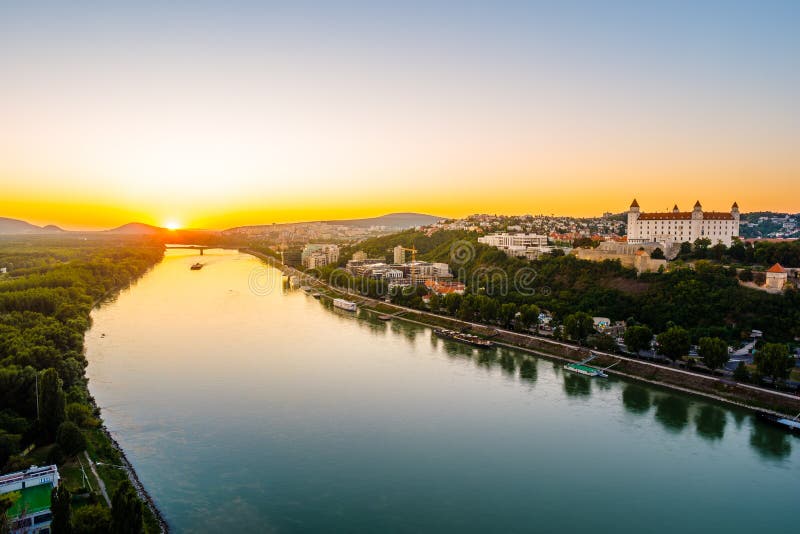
16, 226
137, 228
391, 220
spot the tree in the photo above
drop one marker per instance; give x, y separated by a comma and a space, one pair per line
51, 403
746, 275
126, 510
603, 342
5, 504
93, 519
657, 254
528, 315
435, 302
674, 343
638, 338
61, 508
578, 325
714, 352
70, 438
507, 313
773, 360
741, 373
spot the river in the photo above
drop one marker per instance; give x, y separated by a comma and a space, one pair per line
248, 407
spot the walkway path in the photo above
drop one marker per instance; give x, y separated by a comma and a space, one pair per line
100, 483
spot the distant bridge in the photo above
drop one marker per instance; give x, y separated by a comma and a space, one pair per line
201, 248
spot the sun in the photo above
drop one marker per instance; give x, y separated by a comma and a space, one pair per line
172, 225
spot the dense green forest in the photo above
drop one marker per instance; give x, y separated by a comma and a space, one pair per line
45, 299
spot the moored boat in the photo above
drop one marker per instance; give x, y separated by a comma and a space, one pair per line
792, 425
344, 304
196, 266
586, 370
463, 337
384, 317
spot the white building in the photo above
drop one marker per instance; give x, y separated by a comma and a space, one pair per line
776, 277
318, 255
514, 240
30, 512
682, 226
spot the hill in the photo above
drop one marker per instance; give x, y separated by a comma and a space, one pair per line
16, 226
137, 228
391, 220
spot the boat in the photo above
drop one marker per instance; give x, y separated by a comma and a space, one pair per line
384, 317
196, 266
344, 304
792, 425
316, 295
463, 337
586, 370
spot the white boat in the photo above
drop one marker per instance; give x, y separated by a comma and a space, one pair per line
344, 304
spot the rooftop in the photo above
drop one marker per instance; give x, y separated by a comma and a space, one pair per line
31, 500
777, 268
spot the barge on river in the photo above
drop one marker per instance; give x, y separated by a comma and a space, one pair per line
469, 339
344, 304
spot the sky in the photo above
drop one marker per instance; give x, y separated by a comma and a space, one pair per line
218, 114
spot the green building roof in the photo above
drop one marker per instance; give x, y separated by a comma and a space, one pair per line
30, 500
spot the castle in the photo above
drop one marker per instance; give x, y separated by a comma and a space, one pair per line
682, 226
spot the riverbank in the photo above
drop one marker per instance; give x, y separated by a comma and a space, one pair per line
743, 395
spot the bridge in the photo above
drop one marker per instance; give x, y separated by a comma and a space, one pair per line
201, 248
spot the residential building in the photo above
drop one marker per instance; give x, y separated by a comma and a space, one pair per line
317, 255
30, 511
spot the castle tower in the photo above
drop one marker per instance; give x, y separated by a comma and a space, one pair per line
697, 212
633, 218
675, 209
735, 211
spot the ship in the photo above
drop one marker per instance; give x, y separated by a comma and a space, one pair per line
344, 304
469, 339
196, 266
791, 425
587, 370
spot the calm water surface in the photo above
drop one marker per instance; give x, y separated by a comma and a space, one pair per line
246, 411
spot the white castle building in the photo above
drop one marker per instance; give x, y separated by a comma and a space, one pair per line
682, 226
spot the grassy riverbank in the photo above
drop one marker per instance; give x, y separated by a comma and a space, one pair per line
685, 381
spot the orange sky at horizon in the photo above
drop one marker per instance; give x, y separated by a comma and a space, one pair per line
270, 112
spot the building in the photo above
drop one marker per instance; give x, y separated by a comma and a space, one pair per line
528, 246
633, 256
682, 226
513, 240
445, 288
30, 511
776, 277
319, 255
399, 254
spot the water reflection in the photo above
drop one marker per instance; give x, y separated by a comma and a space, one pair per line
673, 413
710, 422
636, 398
577, 385
527, 370
769, 442
507, 363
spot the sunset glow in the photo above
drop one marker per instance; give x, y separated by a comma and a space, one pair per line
265, 113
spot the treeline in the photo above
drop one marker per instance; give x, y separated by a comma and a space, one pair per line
45, 301
426, 245
765, 253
